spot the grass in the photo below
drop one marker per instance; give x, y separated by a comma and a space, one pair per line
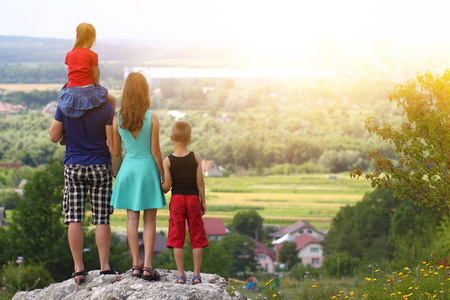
280, 200
426, 281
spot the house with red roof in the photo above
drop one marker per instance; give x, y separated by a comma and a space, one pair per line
309, 250
308, 240
11, 108
264, 257
215, 229
297, 229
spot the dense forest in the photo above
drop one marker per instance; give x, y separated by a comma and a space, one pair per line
272, 127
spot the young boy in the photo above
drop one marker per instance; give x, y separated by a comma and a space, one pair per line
183, 173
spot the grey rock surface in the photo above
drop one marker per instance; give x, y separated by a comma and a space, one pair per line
109, 287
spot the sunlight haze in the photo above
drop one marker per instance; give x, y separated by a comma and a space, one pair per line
282, 32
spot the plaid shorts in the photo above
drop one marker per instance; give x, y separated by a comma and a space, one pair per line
78, 180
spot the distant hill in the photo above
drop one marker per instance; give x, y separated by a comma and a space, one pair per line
21, 49
15, 49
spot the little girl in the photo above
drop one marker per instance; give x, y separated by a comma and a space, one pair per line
83, 92
137, 186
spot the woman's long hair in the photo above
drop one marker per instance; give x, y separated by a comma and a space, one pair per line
85, 32
135, 101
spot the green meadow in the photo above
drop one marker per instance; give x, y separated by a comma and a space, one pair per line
280, 200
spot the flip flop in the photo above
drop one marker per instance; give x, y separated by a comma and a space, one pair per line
196, 278
182, 278
79, 280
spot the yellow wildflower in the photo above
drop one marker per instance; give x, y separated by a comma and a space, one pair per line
314, 286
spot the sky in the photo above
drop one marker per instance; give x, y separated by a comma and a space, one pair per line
267, 26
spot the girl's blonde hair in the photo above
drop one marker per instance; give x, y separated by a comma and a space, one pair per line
85, 32
135, 101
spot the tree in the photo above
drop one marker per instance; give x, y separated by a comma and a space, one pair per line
422, 141
381, 227
248, 222
241, 250
340, 264
288, 254
36, 231
9, 199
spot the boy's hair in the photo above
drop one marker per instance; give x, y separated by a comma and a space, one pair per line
135, 101
85, 32
181, 131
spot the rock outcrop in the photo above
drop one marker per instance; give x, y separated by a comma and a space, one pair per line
124, 286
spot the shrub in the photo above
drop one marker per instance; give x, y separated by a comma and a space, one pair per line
19, 277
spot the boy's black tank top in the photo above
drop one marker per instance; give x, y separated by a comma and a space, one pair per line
184, 174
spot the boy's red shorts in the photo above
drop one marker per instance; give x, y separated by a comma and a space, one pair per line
186, 208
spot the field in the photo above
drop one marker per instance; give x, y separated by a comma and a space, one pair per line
280, 200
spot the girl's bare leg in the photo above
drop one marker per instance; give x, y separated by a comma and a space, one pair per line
133, 236
149, 236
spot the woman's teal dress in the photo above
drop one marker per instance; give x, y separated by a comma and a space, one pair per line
138, 183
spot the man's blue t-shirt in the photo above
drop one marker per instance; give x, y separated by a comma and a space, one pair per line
86, 136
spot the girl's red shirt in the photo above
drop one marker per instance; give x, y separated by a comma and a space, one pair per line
79, 63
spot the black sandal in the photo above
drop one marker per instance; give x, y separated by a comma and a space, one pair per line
79, 281
110, 272
154, 275
138, 268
